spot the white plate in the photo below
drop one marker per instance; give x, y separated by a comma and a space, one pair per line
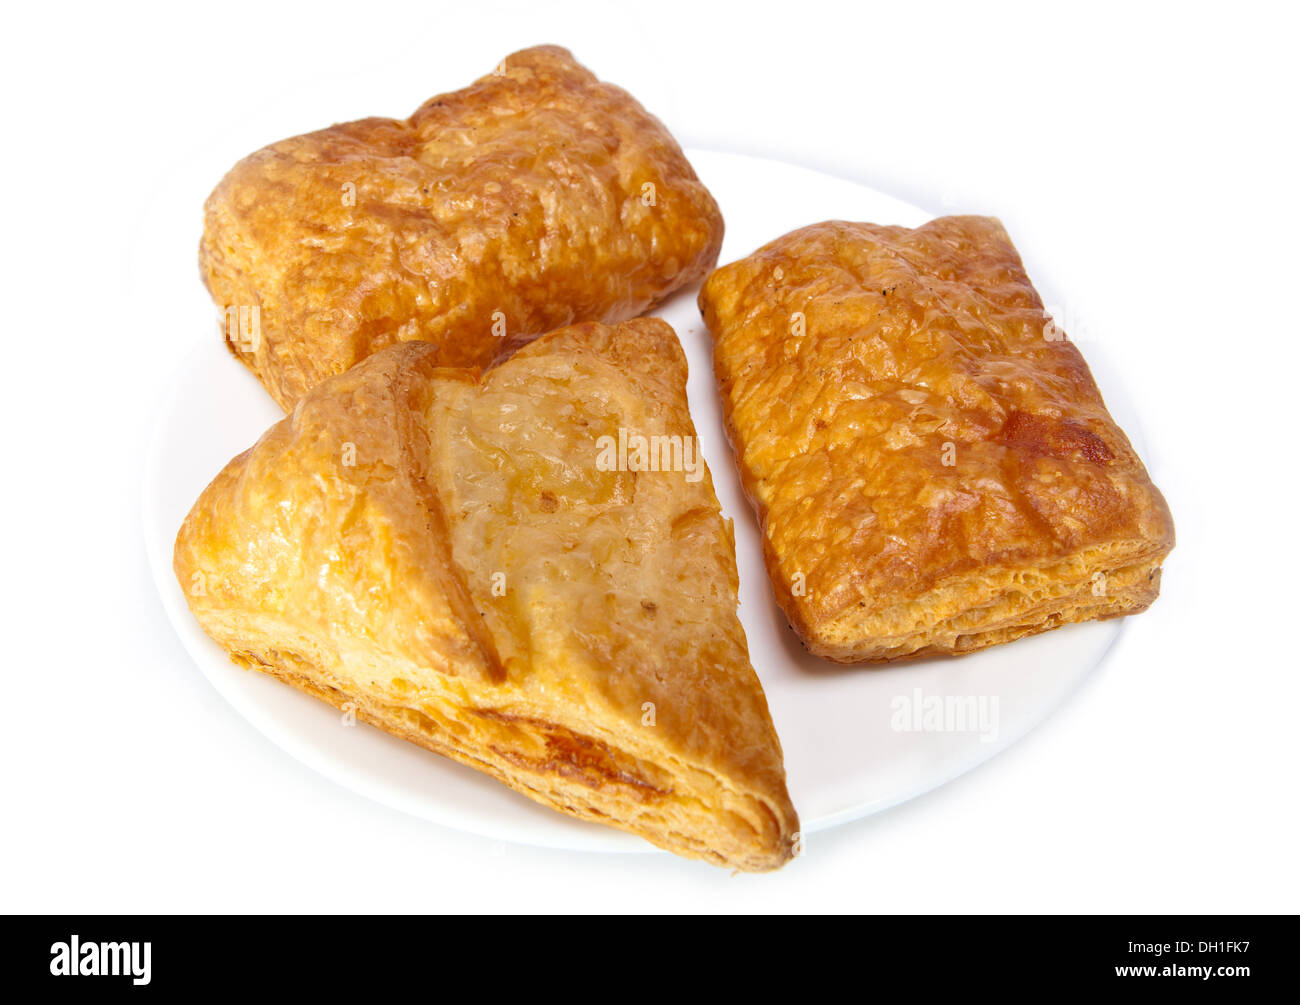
845, 754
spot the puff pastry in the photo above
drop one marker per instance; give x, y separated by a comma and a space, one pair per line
447, 551
534, 198
931, 462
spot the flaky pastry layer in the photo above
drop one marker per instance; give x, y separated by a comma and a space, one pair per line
931, 462
446, 552
536, 197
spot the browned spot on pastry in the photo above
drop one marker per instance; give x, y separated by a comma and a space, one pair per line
548, 503
574, 756
1047, 434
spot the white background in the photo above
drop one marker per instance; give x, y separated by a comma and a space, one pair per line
1144, 159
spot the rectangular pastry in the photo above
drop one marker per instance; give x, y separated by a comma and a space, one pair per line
534, 198
933, 467
465, 558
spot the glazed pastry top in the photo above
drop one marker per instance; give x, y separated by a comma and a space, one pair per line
905, 415
535, 197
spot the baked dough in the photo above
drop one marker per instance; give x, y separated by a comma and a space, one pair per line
461, 558
931, 462
536, 197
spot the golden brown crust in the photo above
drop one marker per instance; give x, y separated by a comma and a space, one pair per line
445, 550
536, 197
932, 465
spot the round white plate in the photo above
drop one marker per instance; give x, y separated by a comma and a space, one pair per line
856, 739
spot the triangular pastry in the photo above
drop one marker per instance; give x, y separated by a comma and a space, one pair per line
491, 566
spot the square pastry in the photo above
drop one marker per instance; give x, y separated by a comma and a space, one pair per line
931, 462
536, 197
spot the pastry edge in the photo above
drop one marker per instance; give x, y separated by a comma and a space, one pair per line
726, 847
1001, 614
